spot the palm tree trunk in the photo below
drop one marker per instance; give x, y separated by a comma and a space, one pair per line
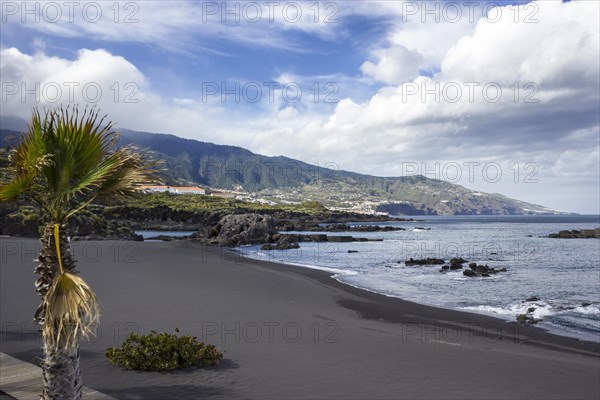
48, 263
60, 366
61, 373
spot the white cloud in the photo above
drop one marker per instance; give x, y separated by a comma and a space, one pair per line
559, 56
394, 65
559, 50
98, 77
128, 98
183, 26
48, 81
417, 39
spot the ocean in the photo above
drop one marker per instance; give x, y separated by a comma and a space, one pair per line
563, 274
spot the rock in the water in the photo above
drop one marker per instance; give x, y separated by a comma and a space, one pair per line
527, 319
355, 228
482, 271
533, 298
577, 234
456, 263
424, 261
164, 238
283, 242
240, 229
339, 239
352, 251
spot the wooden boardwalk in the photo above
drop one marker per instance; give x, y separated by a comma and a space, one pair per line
23, 381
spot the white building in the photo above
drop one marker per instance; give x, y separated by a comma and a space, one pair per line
154, 189
186, 190
174, 189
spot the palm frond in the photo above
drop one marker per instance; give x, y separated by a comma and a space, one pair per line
70, 309
66, 159
133, 169
15, 187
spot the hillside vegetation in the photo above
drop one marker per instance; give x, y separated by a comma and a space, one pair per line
284, 181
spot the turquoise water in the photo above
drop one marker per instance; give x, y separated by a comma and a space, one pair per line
563, 273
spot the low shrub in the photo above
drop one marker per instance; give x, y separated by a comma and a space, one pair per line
163, 352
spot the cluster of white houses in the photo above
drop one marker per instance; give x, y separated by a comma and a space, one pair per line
187, 190
174, 189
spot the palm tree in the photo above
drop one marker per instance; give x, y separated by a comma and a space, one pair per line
63, 163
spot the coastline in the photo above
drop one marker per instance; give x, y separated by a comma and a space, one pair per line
291, 332
551, 283
378, 306
336, 274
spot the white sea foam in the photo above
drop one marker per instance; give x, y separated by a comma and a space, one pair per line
337, 271
588, 310
542, 309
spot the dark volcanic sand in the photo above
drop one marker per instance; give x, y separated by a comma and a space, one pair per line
289, 332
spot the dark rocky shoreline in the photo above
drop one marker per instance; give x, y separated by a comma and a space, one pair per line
243, 229
474, 271
342, 227
226, 228
577, 234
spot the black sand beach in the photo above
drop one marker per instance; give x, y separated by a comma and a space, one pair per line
290, 333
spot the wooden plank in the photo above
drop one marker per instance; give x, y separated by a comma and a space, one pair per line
23, 381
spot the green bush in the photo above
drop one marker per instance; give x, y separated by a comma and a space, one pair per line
162, 352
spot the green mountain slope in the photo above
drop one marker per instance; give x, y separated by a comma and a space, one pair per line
284, 180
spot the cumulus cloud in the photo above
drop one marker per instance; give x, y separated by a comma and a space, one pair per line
94, 76
559, 50
553, 107
394, 65
420, 34
126, 95
103, 79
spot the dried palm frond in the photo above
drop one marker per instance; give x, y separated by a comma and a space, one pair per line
71, 309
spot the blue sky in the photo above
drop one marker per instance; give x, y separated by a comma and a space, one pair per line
365, 62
